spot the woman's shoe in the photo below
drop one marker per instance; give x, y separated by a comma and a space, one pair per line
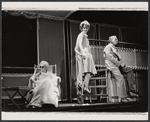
86, 90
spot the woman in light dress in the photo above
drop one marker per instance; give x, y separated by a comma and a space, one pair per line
46, 87
85, 64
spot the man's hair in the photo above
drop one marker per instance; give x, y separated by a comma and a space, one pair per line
111, 38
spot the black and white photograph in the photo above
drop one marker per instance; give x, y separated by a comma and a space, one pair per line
74, 60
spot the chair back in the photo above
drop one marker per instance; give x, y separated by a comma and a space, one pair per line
53, 69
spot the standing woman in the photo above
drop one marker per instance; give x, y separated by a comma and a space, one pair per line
85, 64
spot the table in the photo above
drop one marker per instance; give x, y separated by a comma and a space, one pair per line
16, 90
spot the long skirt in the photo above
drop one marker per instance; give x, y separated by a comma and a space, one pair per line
84, 66
44, 93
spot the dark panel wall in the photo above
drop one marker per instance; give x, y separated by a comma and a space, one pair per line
105, 32
142, 79
130, 35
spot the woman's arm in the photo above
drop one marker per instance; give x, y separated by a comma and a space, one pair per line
80, 39
77, 52
35, 75
79, 43
33, 78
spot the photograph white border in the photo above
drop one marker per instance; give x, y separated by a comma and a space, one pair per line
119, 6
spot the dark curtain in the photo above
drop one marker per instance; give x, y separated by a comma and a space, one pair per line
68, 57
142, 79
105, 32
130, 35
19, 43
51, 48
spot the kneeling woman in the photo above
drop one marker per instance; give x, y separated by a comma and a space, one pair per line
45, 90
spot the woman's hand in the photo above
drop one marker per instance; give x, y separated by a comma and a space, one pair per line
36, 73
83, 56
35, 69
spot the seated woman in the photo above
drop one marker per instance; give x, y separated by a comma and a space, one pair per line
45, 90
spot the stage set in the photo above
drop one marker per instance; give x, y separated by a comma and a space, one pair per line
29, 37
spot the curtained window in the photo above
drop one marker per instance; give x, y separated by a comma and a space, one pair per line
19, 46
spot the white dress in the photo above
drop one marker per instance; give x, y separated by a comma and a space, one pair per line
45, 92
84, 65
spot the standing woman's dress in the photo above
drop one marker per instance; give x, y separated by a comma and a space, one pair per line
83, 65
45, 91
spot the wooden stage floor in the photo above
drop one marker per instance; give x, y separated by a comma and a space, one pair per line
141, 106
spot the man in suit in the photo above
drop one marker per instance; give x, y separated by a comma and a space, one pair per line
114, 63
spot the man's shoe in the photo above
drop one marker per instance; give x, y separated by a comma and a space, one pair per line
133, 91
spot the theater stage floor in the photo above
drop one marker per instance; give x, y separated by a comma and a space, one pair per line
92, 107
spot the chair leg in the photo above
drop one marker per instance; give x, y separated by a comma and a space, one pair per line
12, 100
